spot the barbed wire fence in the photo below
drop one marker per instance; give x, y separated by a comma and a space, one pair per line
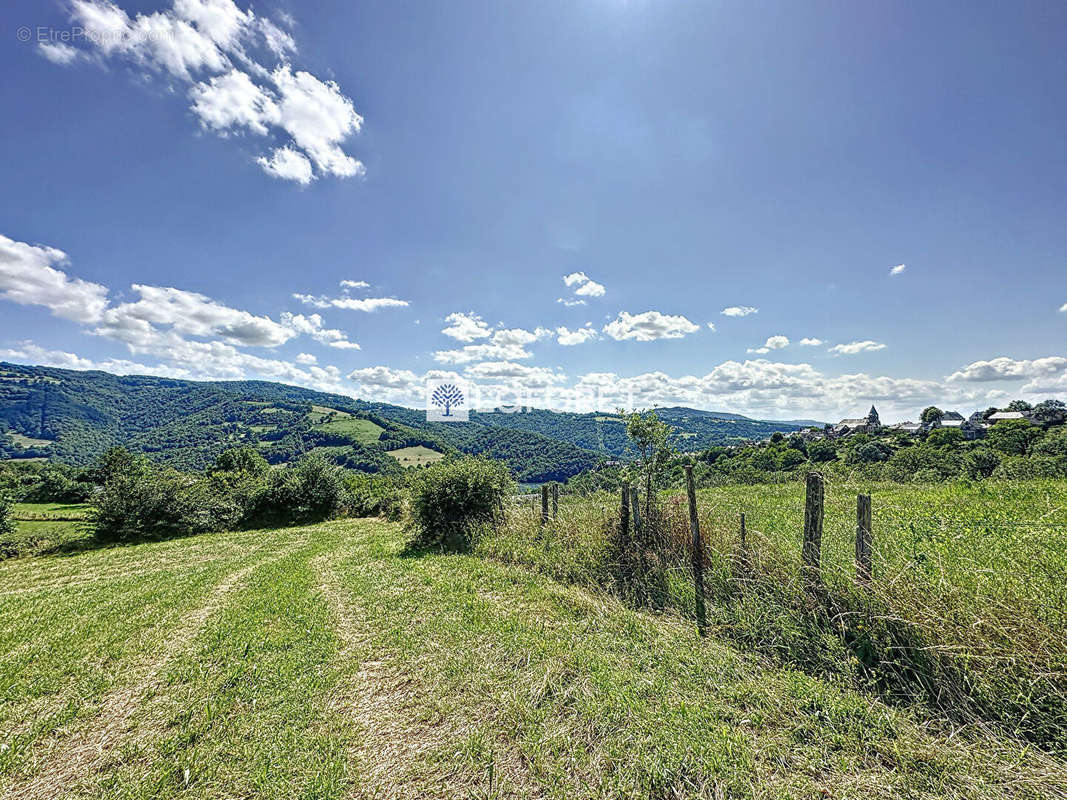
966, 615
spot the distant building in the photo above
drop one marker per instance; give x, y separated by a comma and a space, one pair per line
913, 428
869, 424
1003, 415
971, 428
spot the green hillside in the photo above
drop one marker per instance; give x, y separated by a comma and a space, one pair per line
73, 417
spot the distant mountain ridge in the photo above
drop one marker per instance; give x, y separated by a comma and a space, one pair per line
73, 416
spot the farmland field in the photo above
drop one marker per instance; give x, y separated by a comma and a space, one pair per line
325, 661
416, 456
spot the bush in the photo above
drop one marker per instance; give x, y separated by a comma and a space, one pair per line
980, 462
1030, 467
310, 489
376, 496
451, 499
1014, 437
7, 524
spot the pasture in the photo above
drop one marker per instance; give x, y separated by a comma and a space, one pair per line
416, 456
328, 661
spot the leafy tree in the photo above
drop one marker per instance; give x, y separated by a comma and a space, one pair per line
310, 489
1013, 437
1053, 444
115, 461
777, 437
790, 458
931, 414
980, 462
866, 453
652, 437
242, 459
822, 450
989, 412
1051, 412
1019, 405
944, 437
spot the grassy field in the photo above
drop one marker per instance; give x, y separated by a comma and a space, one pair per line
45, 528
416, 456
362, 430
966, 613
328, 662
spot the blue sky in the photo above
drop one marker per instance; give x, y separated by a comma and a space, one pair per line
187, 185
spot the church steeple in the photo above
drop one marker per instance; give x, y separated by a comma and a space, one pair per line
872, 417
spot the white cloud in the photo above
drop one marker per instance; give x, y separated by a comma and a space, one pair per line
232, 100
519, 336
220, 50
369, 304
312, 325
739, 311
712, 328
58, 52
567, 302
466, 327
530, 377
852, 348
382, 377
568, 338
1004, 368
192, 314
1063, 308
481, 352
809, 341
772, 343
898, 269
346, 284
28, 277
306, 358
287, 164
649, 326
585, 287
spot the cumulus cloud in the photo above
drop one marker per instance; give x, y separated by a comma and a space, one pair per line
306, 358
739, 311
1063, 308
532, 377
481, 352
313, 326
466, 327
1005, 369
570, 301
382, 377
712, 328
583, 286
569, 338
852, 348
809, 341
772, 343
649, 326
898, 269
28, 276
237, 65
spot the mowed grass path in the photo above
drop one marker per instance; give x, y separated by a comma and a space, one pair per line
325, 662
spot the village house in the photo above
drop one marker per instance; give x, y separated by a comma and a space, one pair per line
869, 424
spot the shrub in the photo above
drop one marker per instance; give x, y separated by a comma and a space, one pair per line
451, 499
980, 462
1054, 444
1014, 437
310, 489
376, 496
1029, 467
7, 524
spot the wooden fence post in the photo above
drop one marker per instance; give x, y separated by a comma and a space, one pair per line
555, 500
635, 513
698, 551
863, 540
544, 503
813, 518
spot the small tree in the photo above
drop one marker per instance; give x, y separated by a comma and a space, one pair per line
651, 436
242, 459
1019, 405
1050, 412
932, 414
1013, 437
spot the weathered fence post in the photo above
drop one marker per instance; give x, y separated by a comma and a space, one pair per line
624, 516
813, 519
863, 539
555, 500
635, 513
544, 504
698, 551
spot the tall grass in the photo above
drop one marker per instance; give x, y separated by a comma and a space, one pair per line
966, 613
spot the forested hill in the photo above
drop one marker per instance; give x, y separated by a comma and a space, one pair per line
74, 416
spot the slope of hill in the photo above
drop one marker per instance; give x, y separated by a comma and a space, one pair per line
74, 416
